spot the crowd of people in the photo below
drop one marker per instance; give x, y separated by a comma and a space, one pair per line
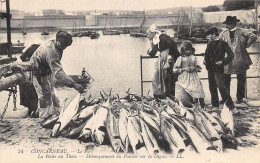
225, 54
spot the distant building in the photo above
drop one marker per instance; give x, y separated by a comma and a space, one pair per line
17, 14
48, 12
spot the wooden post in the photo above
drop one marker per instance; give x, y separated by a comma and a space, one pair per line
256, 14
141, 67
9, 42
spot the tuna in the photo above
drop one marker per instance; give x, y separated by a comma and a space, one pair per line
66, 116
135, 137
227, 118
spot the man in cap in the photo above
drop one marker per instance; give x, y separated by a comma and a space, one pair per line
46, 67
238, 39
164, 79
215, 60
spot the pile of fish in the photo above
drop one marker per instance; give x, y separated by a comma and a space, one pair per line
144, 125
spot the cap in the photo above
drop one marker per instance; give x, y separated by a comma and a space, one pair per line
212, 30
64, 38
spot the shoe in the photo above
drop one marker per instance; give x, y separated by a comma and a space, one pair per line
33, 114
235, 111
239, 101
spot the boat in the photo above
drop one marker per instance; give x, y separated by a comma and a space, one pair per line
16, 48
77, 78
139, 33
45, 33
79, 35
86, 33
111, 32
18, 43
94, 35
124, 31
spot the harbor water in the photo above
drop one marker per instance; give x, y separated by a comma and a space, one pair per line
114, 62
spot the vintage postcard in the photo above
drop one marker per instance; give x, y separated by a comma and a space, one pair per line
129, 80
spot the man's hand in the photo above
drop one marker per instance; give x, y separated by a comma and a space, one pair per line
219, 63
78, 87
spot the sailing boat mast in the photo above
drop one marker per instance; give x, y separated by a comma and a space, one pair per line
24, 33
178, 28
191, 15
143, 22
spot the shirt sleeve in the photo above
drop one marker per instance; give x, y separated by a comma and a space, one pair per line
250, 36
154, 50
57, 70
230, 54
177, 66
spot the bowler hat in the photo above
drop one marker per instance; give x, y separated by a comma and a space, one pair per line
231, 19
212, 30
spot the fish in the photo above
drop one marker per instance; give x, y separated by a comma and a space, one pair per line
75, 132
123, 120
135, 137
173, 137
151, 120
87, 130
227, 117
200, 142
112, 126
201, 126
66, 115
170, 110
175, 121
213, 121
99, 127
86, 112
149, 139
215, 137
50, 122
187, 114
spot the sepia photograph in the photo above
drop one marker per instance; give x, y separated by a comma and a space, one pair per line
129, 80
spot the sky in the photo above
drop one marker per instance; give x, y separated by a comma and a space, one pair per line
70, 5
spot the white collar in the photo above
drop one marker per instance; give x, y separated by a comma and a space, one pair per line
156, 39
233, 29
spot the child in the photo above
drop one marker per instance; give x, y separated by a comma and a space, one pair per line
186, 66
217, 55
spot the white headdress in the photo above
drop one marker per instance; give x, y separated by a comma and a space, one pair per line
153, 28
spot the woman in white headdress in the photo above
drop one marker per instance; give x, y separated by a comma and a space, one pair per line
164, 79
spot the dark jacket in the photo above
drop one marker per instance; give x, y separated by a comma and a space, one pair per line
215, 52
165, 43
